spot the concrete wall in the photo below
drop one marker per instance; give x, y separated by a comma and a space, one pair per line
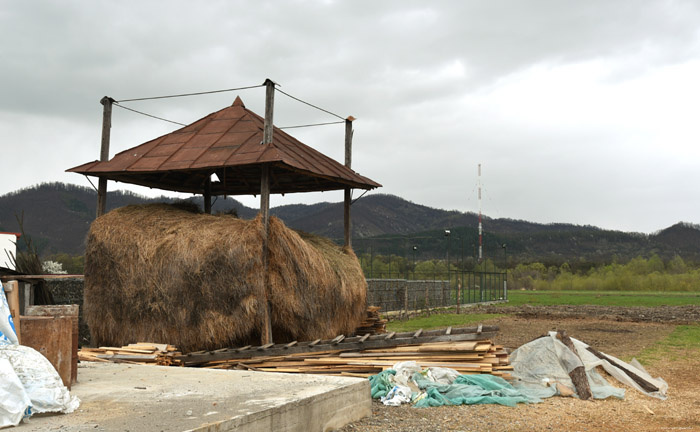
70, 291
402, 294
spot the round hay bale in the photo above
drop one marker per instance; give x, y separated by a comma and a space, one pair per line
160, 273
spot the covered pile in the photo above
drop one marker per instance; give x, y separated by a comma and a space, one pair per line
163, 273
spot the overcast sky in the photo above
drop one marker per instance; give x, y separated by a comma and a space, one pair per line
584, 112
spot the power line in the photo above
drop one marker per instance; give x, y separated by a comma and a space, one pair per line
310, 125
311, 105
227, 90
191, 94
148, 115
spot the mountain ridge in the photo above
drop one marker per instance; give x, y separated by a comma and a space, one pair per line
57, 217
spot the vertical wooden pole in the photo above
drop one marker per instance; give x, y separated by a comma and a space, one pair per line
348, 163
459, 296
266, 331
207, 196
104, 153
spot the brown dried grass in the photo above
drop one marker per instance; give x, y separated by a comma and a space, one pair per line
165, 274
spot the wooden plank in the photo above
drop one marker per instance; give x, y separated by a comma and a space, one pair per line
352, 344
130, 357
128, 350
6, 278
158, 346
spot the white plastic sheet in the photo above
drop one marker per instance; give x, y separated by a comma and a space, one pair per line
546, 362
7, 326
13, 399
404, 372
28, 381
39, 379
397, 395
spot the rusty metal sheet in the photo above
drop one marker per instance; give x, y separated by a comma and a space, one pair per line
226, 139
53, 338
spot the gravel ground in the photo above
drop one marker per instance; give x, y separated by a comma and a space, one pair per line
613, 330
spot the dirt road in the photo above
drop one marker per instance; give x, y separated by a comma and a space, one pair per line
621, 332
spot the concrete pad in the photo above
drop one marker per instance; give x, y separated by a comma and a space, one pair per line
121, 397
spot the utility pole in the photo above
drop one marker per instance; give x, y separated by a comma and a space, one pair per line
266, 331
104, 153
347, 226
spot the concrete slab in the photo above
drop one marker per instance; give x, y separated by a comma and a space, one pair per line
120, 397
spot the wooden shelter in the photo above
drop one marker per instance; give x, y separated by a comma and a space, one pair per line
245, 151
231, 144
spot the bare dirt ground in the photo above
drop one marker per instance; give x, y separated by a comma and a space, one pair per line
621, 332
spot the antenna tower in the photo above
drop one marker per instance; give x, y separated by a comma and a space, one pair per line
481, 257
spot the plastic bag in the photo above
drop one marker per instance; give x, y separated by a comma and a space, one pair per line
442, 375
40, 380
397, 395
8, 336
14, 401
404, 371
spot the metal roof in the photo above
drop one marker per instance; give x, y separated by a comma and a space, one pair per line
229, 143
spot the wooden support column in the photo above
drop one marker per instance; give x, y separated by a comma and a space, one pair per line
207, 195
104, 153
347, 223
266, 331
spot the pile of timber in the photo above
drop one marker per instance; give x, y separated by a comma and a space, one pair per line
373, 323
472, 357
467, 350
138, 353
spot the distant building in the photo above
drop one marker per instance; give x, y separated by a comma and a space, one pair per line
8, 249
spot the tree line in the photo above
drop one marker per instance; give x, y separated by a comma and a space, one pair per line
637, 274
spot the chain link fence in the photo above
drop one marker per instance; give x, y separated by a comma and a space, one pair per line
400, 297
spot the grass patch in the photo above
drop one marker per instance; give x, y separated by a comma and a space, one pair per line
683, 343
439, 321
602, 298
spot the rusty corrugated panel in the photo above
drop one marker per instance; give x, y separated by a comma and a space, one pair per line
227, 142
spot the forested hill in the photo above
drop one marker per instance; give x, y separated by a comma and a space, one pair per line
57, 216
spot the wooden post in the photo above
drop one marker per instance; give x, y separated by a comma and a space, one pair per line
207, 195
405, 300
266, 331
459, 295
104, 153
12, 290
348, 163
578, 374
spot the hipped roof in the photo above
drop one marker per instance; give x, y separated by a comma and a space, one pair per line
229, 143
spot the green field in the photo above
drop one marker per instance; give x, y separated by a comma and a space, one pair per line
603, 298
439, 321
682, 343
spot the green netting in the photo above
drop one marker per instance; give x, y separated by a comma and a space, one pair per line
464, 390
381, 383
469, 390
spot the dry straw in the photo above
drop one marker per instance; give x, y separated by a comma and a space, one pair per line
166, 274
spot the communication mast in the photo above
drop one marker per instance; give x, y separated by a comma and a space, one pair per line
481, 257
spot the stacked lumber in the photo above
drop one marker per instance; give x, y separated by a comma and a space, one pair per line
468, 357
138, 353
373, 323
